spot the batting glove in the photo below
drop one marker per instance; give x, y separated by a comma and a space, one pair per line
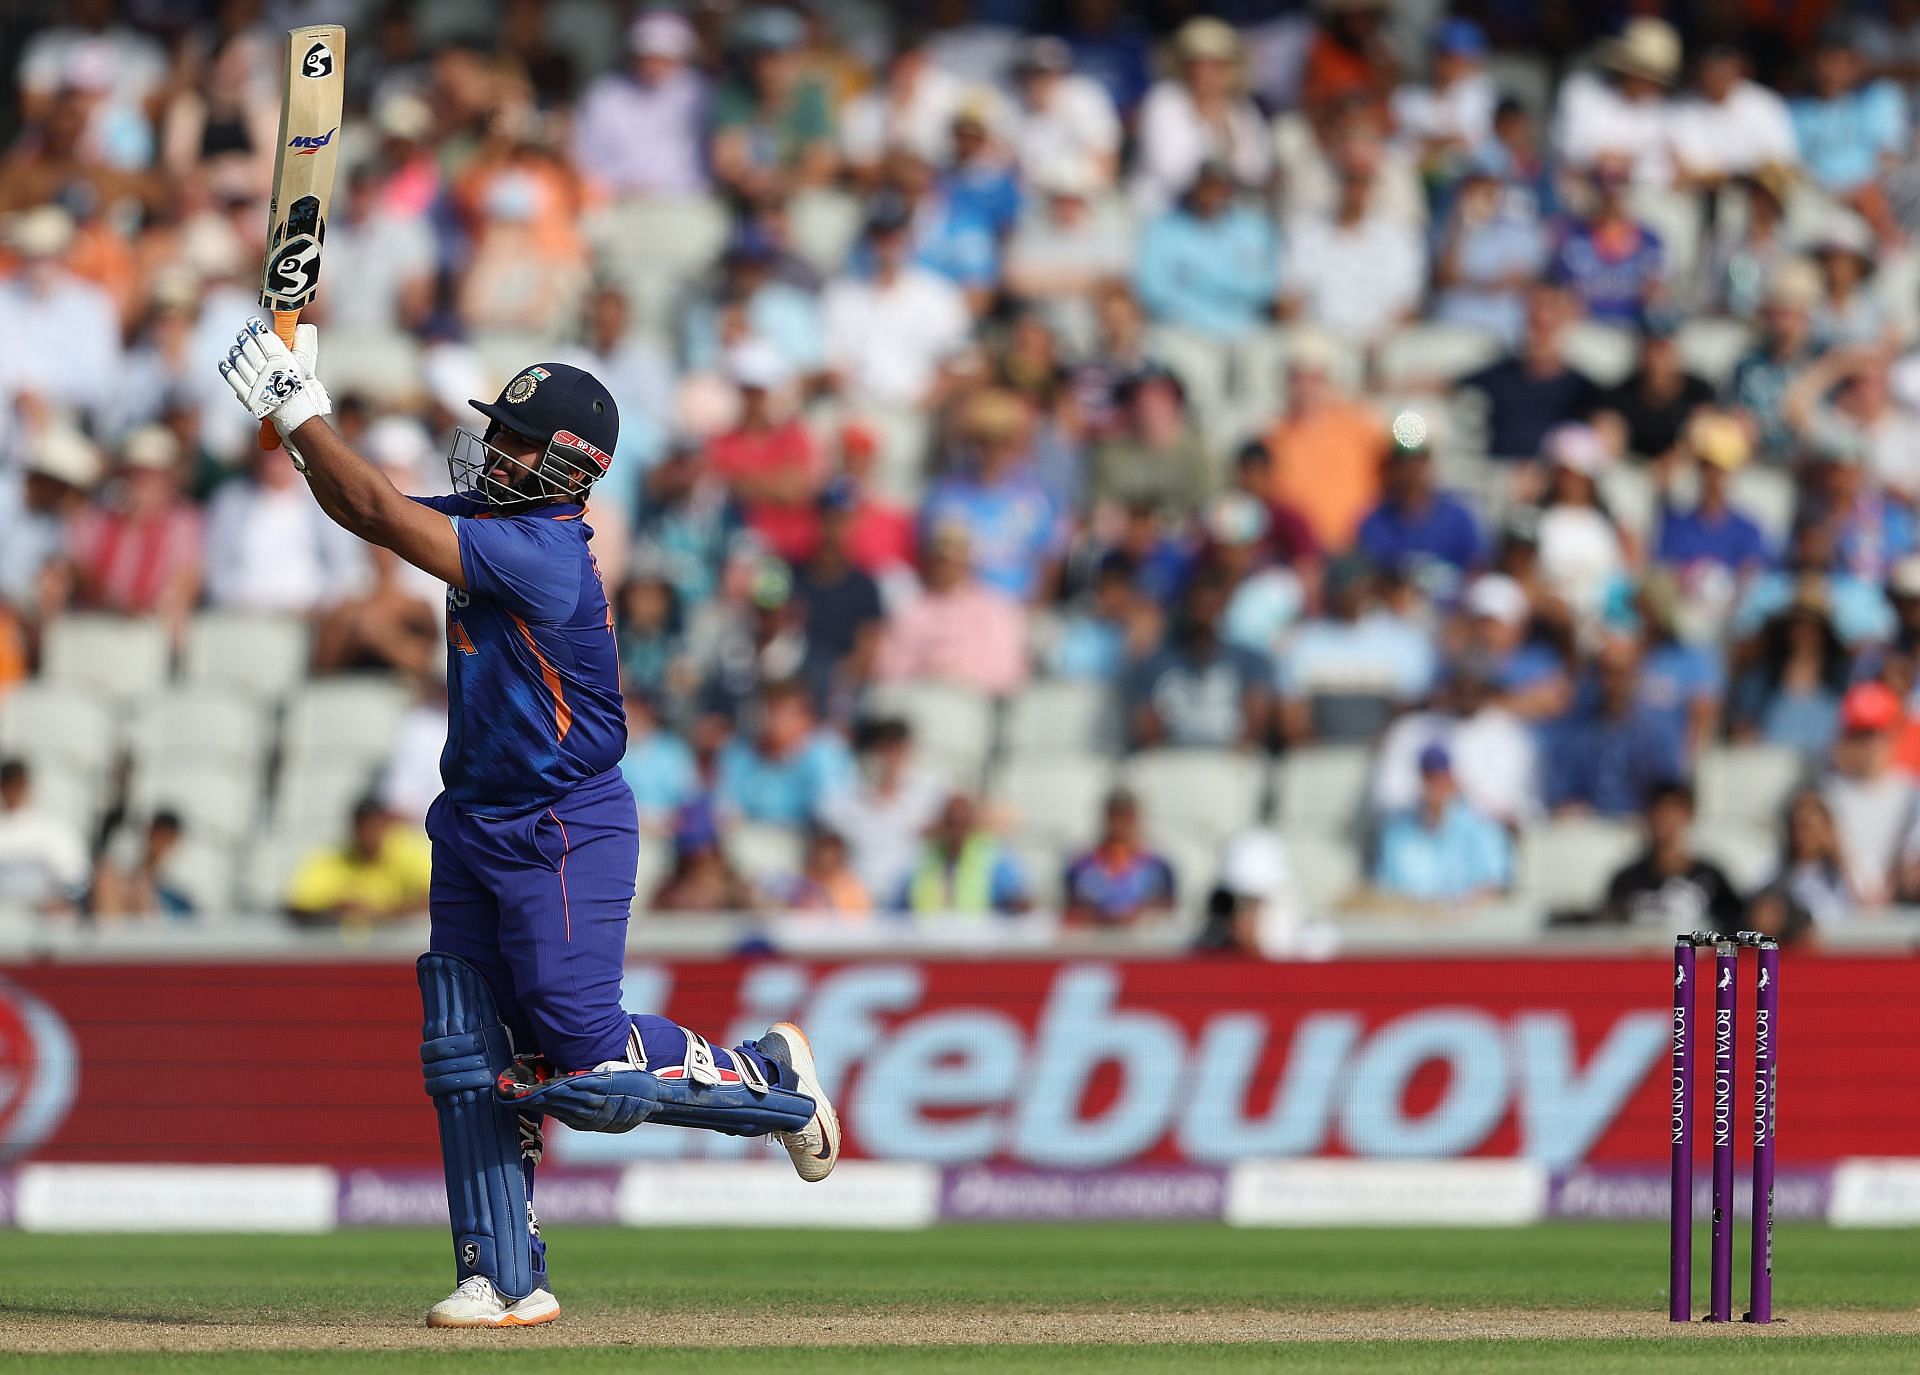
274, 382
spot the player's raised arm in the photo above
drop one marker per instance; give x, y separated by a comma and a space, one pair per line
278, 384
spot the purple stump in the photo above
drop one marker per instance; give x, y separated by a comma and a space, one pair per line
1726, 996
1766, 1030
1680, 1203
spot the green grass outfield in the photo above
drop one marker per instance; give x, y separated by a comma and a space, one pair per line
1071, 1298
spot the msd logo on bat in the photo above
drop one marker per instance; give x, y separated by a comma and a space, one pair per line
306, 145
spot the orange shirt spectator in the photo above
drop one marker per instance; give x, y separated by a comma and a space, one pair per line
1326, 448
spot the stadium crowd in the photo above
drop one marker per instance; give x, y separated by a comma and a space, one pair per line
1514, 405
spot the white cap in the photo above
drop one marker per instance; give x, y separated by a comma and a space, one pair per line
398, 442
1254, 865
65, 455
1312, 350
1067, 174
756, 363
661, 33
1578, 447
42, 232
452, 373
1497, 597
150, 447
404, 115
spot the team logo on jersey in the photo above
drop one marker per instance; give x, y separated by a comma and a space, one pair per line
523, 386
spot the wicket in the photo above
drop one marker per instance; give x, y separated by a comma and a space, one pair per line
1766, 1017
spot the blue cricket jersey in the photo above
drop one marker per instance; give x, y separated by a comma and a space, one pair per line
533, 673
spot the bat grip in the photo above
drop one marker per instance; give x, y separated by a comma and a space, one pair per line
283, 323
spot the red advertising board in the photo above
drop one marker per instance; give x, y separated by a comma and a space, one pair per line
1060, 1064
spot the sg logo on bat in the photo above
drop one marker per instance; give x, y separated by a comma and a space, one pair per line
294, 274
317, 63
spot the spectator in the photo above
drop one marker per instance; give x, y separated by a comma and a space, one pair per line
1744, 257
389, 257
1119, 353
1514, 156
1159, 459
1791, 693
1268, 598
888, 333
1532, 389
963, 870
657, 764
43, 860
1288, 538
1614, 266
1345, 673
961, 629
844, 615
1119, 882
1856, 602
1731, 126
651, 632
38, 508
1810, 890
786, 767
1626, 107
379, 875
1668, 886
642, 385
1067, 245
826, 882
43, 300
1208, 263
1850, 129
1012, 523
883, 811
1356, 273
1428, 533
1256, 910
137, 876
640, 131
755, 302
1871, 801
410, 780
979, 182
1061, 116
767, 457
880, 533
1326, 446
690, 522
772, 125
1850, 312
528, 268
1583, 554
1606, 753
1761, 380
386, 624
1199, 116
912, 107
1843, 407
1198, 691
1528, 674
1491, 248
1452, 116
1442, 850
1106, 629
1646, 414
1495, 766
1680, 678
1713, 540
270, 547
701, 879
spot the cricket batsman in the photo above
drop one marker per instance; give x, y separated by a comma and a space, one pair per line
535, 836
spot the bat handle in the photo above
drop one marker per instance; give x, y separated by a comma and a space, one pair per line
283, 323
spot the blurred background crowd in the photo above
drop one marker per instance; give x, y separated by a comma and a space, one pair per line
1229, 468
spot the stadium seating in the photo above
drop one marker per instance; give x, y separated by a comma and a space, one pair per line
66, 727
952, 725
1564, 864
264, 655
120, 657
1748, 782
345, 720
1205, 793
1062, 716
216, 801
1055, 797
187, 725
1322, 789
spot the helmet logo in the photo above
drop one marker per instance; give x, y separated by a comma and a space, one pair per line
523, 386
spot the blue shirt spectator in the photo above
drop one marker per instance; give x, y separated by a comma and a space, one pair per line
659, 765
785, 769
1119, 881
1679, 680
1442, 850
1847, 129
1427, 534
1605, 754
779, 312
1613, 266
1209, 265
1014, 529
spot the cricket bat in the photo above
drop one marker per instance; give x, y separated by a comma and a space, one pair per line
302, 178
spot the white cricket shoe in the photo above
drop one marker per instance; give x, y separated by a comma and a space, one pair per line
815, 1148
476, 1303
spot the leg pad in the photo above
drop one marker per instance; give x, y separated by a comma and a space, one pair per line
620, 1100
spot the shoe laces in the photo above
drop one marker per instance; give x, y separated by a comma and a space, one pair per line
476, 1286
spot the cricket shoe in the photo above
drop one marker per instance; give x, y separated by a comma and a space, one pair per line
815, 1147
476, 1303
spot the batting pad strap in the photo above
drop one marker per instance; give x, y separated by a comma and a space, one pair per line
736, 1109
621, 1099
463, 1048
601, 1100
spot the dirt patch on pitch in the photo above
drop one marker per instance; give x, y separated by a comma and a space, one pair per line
913, 1326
